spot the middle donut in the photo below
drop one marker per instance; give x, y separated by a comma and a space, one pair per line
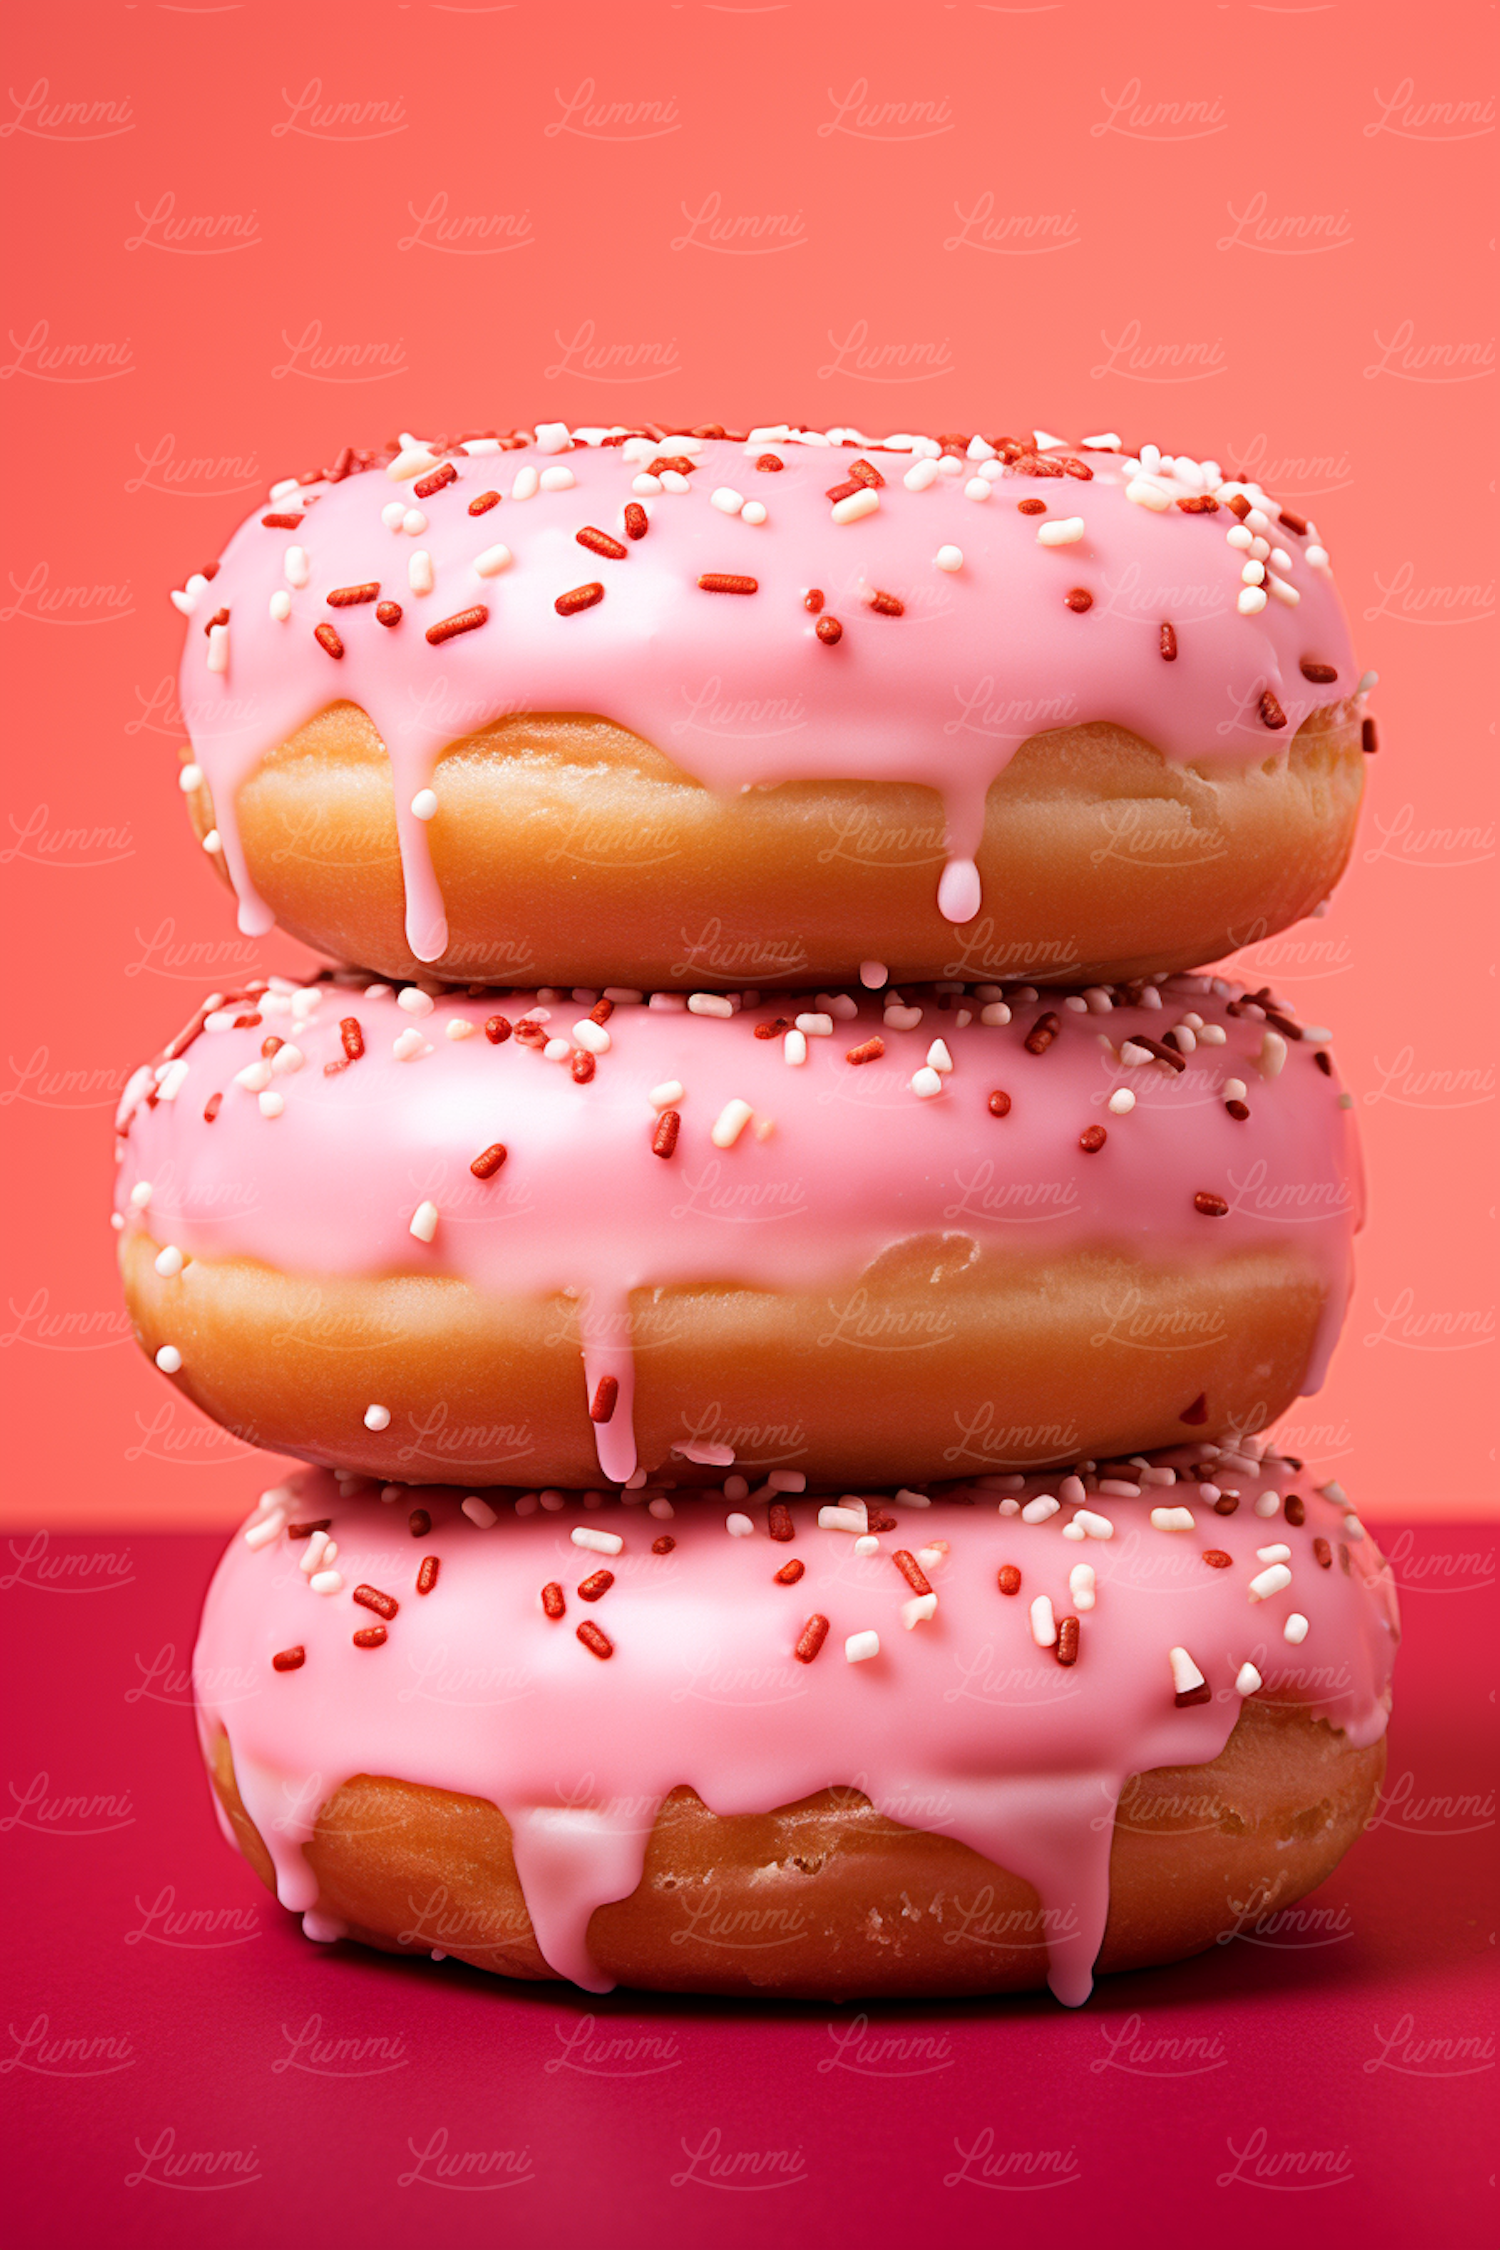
577, 1239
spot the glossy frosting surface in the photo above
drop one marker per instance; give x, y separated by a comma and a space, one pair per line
985, 652
962, 1723
836, 1163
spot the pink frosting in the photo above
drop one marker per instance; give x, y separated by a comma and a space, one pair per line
852, 1161
737, 690
961, 1724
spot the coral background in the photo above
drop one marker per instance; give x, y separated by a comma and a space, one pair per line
245, 234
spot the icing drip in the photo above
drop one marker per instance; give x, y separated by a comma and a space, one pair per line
961, 1725
937, 677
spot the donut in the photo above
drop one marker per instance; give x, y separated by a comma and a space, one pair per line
1004, 1733
577, 1239
701, 710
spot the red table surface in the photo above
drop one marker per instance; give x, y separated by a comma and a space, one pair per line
183, 2066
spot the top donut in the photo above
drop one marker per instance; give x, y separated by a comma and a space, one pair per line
672, 707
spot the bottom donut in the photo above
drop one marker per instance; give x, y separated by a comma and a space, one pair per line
979, 1741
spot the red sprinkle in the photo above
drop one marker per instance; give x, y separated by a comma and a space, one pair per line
664, 1139
637, 522
999, 1104
871, 1051
425, 487
788, 1575
597, 1643
843, 491
1271, 712
370, 1636
484, 503
220, 617
1199, 1694
779, 1522
1080, 598
1226, 1503
1293, 521
887, 605
1294, 1508
306, 1530
727, 582
605, 1398
1216, 1558
282, 523
271, 1045
1066, 1646
212, 1107
419, 1522
768, 463
1042, 1033
1009, 1578
601, 543
1199, 504
497, 1030
1369, 740
328, 640
1321, 675
1092, 1139
829, 631
814, 1634
350, 597
370, 1597
813, 598
554, 1601
601, 1011
289, 1659
1211, 1206
1323, 1554
580, 597
1031, 507
352, 1036
865, 472
911, 1570
427, 1573
592, 1588
387, 613
664, 1545
489, 1160
1239, 1111
1168, 643
462, 621
581, 1064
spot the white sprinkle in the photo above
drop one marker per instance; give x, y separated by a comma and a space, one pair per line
265, 1529
1274, 1554
1043, 1623
861, 503
661, 1507
287, 1060
1094, 1526
281, 605
557, 480
1038, 1510
326, 1582
409, 1044
140, 1195
645, 487
492, 562
393, 514
412, 998
1081, 1585
553, 437
410, 462
557, 1050
1171, 1519
1272, 1057
1295, 1629
814, 1025
736, 1487
926, 1083
918, 1610
920, 475
1247, 1680
1268, 1504
458, 1027
1121, 1102
846, 1517
424, 1221
255, 1077
525, 485
419, 572
860, 1647
1146, 494
667, 1095
169, 1262
169, 1359
593, 1036
218, 648
727, 500
739, 1527
377, 1417
413, 523
867, 1544
1061, 534
1270, 1582
938, 1057
271, 1104
709, 1004
790, 1480
730, 1123
994, 1012
977, 488
794, 1048
478, 1511
1251, 601
597, 1542
296, 566
952, 558
930, 1557
1185, 1673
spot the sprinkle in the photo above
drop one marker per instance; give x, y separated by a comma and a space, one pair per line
1247, 1680
526, 484
730, 1123
664, 1545
601, 543
1148, 494
289, 1659
1067, 1640
606, 1396
554, 1601
597, 1643
1171, 1519
1043, 1625
494, 560
377, 1417
938, 1057
371, 1597
1041, 1509
637, 522
1079, 598
414, 1001
829, 631
1271, 712
927, 1083
862, 502
427, 486
870, 1051
1369, 739
462, 621
1251, 602
169, 1360
1188, 1682
1042, 1033
497, 1030
1272, 1057
296, 566
1168, 643
350, 597
598, 1542
727, 500
1216, 1558
1083, 1585
557, 480
370, 1636
328, 640
424, 805
999, 1104
1270, 1582
664, 1139
326, 1582
212, 1107
169, 1262
727, 582
1211, 1206
860, 1647
282, 523
1323, 1554
1008, 1578
483, 504
709, 1004
911, 1570
814, 1634
753, 512
594, 1587
424, 1222
847, 1517
1281, 1553
419, 572
813, 599
1295, 1629
1061, 533
427, 1573
952, 558
1092, 1139
1094, 1526
1121, 1102
419, 1522
885, 605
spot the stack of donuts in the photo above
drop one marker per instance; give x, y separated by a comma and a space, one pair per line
780, 1260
